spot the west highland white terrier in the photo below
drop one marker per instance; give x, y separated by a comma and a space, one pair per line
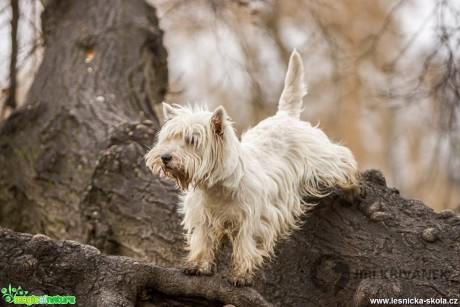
250, 190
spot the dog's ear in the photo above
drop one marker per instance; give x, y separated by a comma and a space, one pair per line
218, 120
168, 111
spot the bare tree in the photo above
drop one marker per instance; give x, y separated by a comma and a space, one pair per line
10, 101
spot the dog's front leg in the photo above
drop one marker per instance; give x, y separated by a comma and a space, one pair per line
202, 244
246, 256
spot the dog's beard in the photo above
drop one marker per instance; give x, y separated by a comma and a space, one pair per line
180, 176
174, 170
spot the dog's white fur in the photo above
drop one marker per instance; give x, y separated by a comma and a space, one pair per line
250, 190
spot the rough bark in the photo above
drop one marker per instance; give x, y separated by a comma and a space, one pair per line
70, 268
381, 247
71, 167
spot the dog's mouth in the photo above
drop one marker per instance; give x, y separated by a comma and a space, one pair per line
178, 174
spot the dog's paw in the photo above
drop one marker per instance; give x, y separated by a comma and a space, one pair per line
197, 270
240, 281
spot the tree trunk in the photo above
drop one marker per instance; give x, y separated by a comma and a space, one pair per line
71, 167
71, 160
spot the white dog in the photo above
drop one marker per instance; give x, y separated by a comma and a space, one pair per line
249, 190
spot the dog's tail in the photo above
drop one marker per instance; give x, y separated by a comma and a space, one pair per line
294, 87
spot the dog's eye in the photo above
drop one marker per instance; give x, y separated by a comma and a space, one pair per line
190, 141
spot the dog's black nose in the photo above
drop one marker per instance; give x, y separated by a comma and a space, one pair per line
166, 158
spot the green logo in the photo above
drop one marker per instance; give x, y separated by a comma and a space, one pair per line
18, 296
10, 293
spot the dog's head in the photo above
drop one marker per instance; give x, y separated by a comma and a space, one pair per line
194, 145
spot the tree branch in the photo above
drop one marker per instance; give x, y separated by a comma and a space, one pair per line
35, 262
11, 99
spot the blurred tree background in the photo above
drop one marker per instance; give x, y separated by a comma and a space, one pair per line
383, 76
